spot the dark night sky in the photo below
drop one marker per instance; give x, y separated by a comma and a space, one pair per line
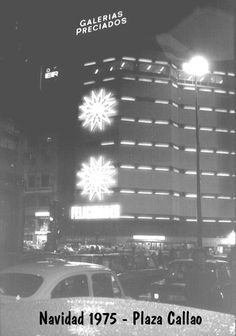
46, 36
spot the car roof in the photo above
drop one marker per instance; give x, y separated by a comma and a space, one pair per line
213, 261
54, 267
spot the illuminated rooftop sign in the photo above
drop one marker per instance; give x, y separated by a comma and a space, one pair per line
97, 110
111, 211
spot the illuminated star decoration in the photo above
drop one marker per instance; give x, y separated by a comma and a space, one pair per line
97, 110
96, 177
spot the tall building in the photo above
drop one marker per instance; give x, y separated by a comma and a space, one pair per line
151, 145
11, 187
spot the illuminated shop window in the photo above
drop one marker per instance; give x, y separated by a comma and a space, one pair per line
190, 127
224, 197
222, 130
188, 107
191, 219
209, 220
207, 129
162, 169
208, 174
223, 174
221, 110
162, 122
202, 108
191, 195
208, 196
225, 221
207, 151
162, 145
222, 152
190, 172
220, 91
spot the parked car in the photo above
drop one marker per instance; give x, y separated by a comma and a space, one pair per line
137, 283
52, 279
172, 289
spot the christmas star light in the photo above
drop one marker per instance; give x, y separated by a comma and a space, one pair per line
96, 178
97, 110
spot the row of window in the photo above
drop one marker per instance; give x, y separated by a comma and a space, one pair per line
175, 194
178, 125
175, 218
176, 170
155, 67
168, 145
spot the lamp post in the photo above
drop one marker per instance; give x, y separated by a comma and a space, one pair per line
197, 67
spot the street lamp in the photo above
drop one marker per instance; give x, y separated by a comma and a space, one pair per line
197, 66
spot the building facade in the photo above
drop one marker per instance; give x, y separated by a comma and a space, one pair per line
151, 143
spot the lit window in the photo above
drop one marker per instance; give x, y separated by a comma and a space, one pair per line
162, 145
231, 74
162, 218
209, 196
145, 80
224, 197
175, 147
208, 129
232, 111
220, 91
189, 107
145, 168
189, 127
208, 173
207, 151
143, 192
89, 63
176, 194
232, 131
231, 92
144, 217
221, 110
224, 221
145, 121
209, 220
221, 130
162, 169
162, 193
189, 88
191, 195
127, 167
161, 62
108, 79
148, 144
108, 143
190, 172
127, 216
128, 78
127, 191
161, 122
222, 152
161, 102
219, 73
109, 59
128, 98
88, 83
130, 143
145, 60
129, 58
191, 219
205, 90
160, 81
190, 149
128, 119
223, 174
206, 109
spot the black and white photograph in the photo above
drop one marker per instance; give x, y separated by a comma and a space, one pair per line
118, 168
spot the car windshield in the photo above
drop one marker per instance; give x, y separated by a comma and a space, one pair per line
24, 285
